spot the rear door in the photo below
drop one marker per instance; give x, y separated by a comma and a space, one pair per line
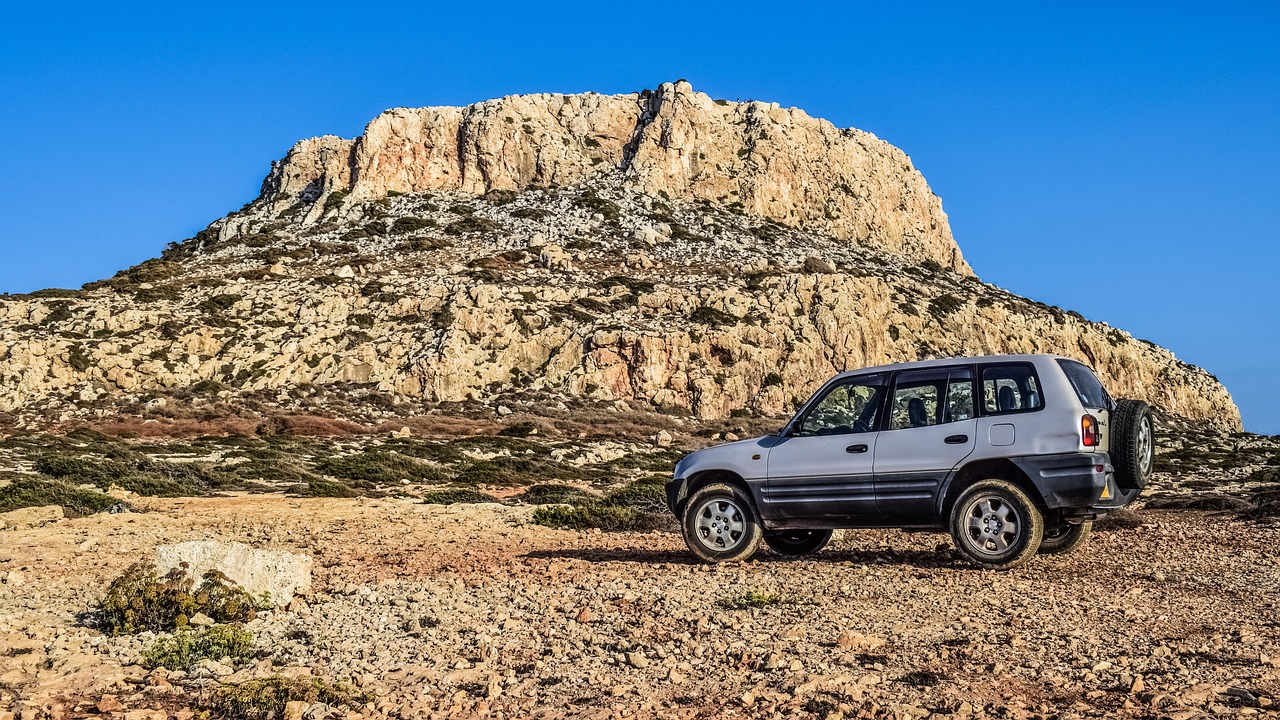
931, 429
822, 467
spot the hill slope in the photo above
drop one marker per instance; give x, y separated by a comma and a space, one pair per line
657, 250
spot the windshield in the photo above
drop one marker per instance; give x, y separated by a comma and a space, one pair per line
1088, 388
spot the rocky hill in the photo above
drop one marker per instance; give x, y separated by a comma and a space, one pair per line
659, 250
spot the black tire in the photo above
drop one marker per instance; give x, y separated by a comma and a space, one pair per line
1132, 444
796, 543
720, 524
995, 525
1064, 538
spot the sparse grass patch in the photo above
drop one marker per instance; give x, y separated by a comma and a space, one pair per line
266, 698
591, 201
140, 599
944, 305
183, 650
751, 599
406, 225
706, 315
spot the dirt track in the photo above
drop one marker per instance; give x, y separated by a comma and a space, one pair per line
470, 610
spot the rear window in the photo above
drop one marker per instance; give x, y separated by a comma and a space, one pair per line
1088, 389
1010, 388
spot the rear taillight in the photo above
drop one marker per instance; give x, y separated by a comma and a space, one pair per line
1089, 432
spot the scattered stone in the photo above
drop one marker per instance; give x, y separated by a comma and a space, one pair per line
271, 576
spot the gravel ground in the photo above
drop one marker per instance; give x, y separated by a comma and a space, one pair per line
470, 610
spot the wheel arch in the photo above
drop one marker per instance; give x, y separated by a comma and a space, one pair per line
703, 478
989, 469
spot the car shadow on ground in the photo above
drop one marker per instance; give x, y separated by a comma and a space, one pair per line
924, 559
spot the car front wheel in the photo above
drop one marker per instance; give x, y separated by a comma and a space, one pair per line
720, 524
995, 525
796, 543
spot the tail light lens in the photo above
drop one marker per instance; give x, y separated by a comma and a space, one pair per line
1090, 434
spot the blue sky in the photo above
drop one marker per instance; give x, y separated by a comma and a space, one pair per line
1119, 161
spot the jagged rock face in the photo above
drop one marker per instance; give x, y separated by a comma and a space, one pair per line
774, 162
594, 292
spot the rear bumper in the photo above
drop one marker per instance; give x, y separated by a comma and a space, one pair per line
1074, 481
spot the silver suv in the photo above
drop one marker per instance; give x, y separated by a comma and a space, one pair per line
1013, 454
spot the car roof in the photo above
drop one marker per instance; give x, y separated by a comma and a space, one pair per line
943, 362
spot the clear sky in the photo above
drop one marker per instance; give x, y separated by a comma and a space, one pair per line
1119, 161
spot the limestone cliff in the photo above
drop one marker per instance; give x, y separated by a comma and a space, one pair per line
775, 162
659, 250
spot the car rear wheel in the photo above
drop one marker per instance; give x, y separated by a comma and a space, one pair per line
720, 524
995, 525
1064, 538
795, 543
1132, 444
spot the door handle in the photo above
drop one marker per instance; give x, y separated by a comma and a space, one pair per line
859, 448
956, 439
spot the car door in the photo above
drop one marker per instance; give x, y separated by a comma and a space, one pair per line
931, 428
822, 466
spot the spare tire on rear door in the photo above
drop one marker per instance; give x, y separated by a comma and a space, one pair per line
1132, 444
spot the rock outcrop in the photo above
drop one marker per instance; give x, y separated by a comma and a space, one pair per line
775, 162
663, 249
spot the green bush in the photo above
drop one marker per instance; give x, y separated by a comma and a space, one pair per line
457, 496
592, 515
380, 467
320, 487
265, 698
554, 494
133, 472
141, 600
26, 492
595, 203
183, 650
649, 495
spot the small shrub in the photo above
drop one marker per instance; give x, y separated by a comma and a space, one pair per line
771, 379
406, 225
27, 492
751, 599
500, 197
706, 315
647, 495
141, 600
944, 305
457, 496
321, 487
470, 224
520, 429
529, 213
78, 358
219, 304
183, 650
266, 698
335, 199
595, 203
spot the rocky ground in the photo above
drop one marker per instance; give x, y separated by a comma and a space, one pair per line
471, 610
474, 610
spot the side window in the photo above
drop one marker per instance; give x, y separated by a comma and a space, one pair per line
915, 398
1010, 389
847, 408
